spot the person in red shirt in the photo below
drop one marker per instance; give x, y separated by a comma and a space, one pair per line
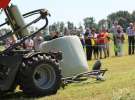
102, 43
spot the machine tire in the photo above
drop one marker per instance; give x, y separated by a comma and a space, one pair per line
40, 76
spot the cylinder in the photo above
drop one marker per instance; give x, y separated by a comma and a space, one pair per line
19, 20
74, 59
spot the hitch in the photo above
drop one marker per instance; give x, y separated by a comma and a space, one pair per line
96, 73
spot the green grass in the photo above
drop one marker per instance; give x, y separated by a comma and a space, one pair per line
119, 83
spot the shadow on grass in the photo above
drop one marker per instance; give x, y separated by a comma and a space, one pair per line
22, 96
89, 81
16, 96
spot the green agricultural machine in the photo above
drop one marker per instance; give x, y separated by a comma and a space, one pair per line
38, 73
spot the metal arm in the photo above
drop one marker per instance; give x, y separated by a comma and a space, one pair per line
43, 15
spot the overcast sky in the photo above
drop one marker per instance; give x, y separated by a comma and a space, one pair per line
76, 10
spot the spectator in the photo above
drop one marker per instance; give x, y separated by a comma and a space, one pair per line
54, 35
113, 30
119, 41
38, 39
102, 43
88, 43
10, 41
95, 45
82, 40
29, 44
107, 40
131, 39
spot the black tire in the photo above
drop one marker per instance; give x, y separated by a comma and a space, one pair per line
40, 76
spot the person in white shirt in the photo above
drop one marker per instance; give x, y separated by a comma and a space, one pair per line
119, 41
38, 39
131, 39
29, 44
113, 30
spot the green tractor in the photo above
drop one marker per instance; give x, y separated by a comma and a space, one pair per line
43, 72
36, 73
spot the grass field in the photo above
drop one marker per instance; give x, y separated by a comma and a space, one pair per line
119, 83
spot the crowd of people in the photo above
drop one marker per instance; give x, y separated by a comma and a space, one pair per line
97, 44
30, 43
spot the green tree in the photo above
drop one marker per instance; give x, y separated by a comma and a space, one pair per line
133, 16
89, 22
123, 17
45, 31
61, 27
80, 28
102, 24
53, 28
70, 25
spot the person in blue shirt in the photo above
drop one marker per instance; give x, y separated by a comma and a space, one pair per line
88, 44
131, 39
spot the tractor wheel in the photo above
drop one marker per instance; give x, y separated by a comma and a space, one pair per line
40, 76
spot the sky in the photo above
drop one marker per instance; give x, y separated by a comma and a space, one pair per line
75, 10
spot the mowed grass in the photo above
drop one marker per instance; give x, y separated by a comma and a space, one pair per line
119, 83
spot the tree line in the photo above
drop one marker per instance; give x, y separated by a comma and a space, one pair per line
123, 18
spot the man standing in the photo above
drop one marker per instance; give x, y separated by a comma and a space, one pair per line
107, 40
95, 44
102, 43
119, 41
114, 32
88, 43
131, 39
